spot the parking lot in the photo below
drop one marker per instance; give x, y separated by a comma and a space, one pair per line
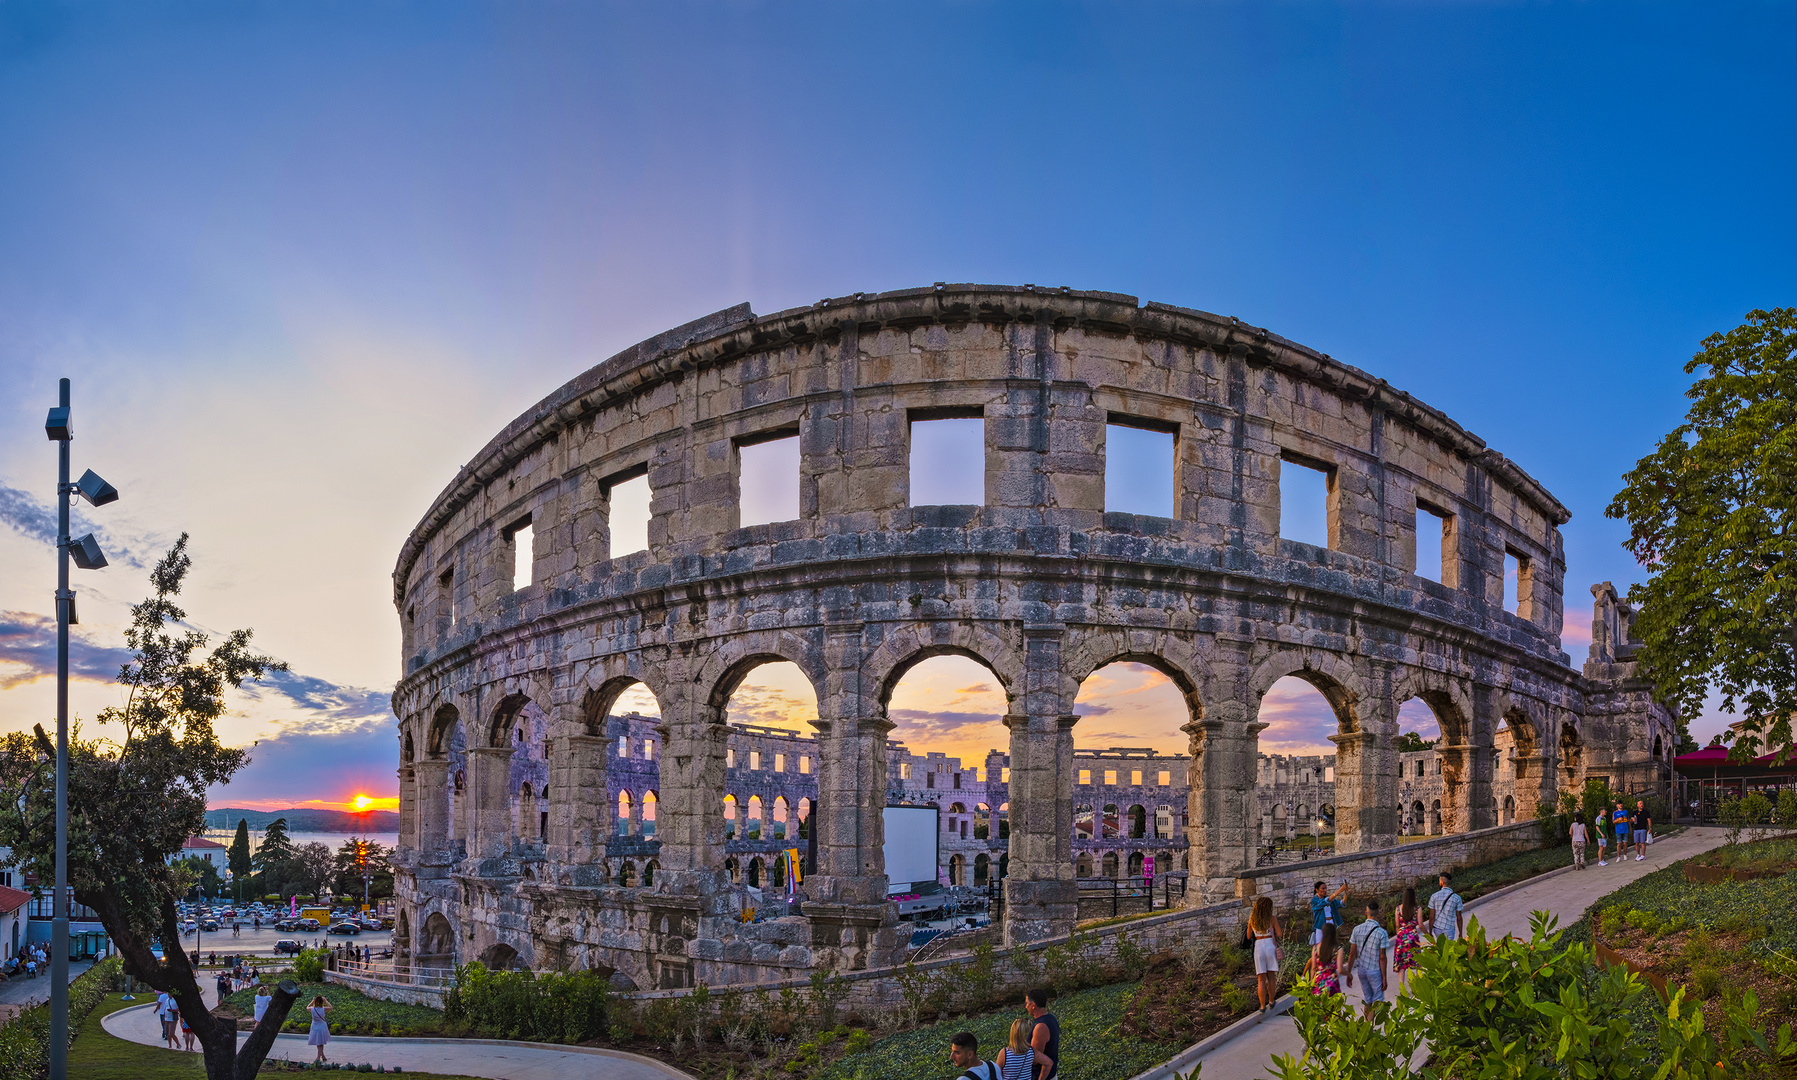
262, 942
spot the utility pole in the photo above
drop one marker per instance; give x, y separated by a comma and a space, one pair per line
86, 553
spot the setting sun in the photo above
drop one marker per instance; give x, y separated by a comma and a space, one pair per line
361, 802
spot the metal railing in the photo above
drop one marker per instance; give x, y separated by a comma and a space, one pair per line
387, 972
1144, 893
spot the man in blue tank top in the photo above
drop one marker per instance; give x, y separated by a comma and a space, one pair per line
1045, 1035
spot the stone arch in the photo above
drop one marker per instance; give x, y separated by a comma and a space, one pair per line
725, 669
1179, 657
1134, 869
513, 694
956, 863
1419, 820
500, 957
1138, 821
1509, 810
1109, 866
1332, 674
982, 869
1082, 865
607, 681
437, 938
444, 721
905, 648
1450, 699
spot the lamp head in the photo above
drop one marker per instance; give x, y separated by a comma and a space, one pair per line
86, 552
95, 490
58, 427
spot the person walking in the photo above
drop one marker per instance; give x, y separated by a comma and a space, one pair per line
1264, 925
187, 1035
1325, 910
1578, 844
1643, 828
964, 1053
1045, 1034
1321, 969
1408, 924
1597, 829
1366, 957
320, 1032
168, 1011
1620, 819
1018, 1060
1444, 910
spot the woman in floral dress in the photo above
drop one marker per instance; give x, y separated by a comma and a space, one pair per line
1322, 967
1407, 939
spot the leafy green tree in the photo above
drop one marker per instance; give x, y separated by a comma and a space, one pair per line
275, 860
1410, 742
135, 797
312, 867
239, 856
206, 877
1712, 516
351, 858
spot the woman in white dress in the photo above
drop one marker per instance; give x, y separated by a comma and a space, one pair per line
321, 1028
263, 997
1264, 925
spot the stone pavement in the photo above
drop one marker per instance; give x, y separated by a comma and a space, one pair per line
20, 993
1566, 894
466, 1057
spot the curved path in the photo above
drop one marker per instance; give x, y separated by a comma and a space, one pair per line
496, 1059
1566, 893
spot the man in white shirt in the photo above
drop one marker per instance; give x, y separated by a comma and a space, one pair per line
1444, 908
964, 1053
1366, 957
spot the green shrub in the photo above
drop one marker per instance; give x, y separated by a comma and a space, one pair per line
25, 1039
1705, 982
1787, 806
553, 1007
308, 965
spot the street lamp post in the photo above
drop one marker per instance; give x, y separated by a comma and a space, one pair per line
86, 553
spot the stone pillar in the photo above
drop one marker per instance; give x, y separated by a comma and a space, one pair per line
489, 812
691, 807
579, 799
1222, 828
1041, 895
408, 806
1466, 789
1534, 783
1366, 789
430, 799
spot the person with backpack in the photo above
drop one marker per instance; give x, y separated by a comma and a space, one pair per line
1366, 957
1444, 909
964, 1054
168, 1011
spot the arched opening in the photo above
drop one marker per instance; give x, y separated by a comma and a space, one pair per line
1509, 810
1135, 864
804, 813
1302, 713
982, 822
1132, 713
1004, 866
1435, 818
729, 817
982, 869
440, 824
757, 871
627, 874
436, 943
1419, 822
648, 811
649, 869
1004, 821
752, 824
734, 869
1658, 747
1163, 823
543, 816
1572, 757
1437, 722
1110, 864
952, 704
500, 958
624, 821
779, 822
772, 693
1082, 864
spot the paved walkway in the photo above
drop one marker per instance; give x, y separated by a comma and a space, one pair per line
20, 993
462, 1057
1567, 894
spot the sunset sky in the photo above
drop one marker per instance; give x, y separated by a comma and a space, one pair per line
303, 261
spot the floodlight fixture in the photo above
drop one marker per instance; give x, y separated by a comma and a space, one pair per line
86, 552
57, 426
96, 491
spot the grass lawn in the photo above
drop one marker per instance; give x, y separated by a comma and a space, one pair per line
351, 1013
1091, 1047
100, 1055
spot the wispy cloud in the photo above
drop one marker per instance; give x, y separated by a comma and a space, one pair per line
22, 512
28, 651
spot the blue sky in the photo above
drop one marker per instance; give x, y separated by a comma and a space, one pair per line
304, 261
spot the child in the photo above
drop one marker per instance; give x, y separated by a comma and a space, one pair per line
1322, 969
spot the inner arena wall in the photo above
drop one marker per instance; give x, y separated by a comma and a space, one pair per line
1045, 581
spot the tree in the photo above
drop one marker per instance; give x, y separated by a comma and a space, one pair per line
312, 867
1410, 742
1712, 516
136, 796
274, 860
239, 855
352, 858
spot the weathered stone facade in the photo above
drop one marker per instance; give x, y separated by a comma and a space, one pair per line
1044, 583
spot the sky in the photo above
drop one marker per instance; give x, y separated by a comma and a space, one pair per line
303, 261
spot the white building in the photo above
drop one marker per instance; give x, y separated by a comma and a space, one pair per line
210, 850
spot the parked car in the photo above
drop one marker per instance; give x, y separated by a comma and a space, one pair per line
209, 925
288, 945
345, 928
371, 924
308, 923
287, 926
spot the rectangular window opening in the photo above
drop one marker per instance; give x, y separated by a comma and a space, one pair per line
1138, 467
729, 759
1304, 501
805, 765
446, 595
1516, 581
1085, 776
628, 517
522, 539
1166, 778
767, 478
1004, 775
948, 459
779, 762
754, 761
1135, 777
1110, 776
1431, 541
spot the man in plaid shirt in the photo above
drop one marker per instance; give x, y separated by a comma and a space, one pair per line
1446, 905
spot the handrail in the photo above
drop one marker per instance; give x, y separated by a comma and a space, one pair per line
438, 978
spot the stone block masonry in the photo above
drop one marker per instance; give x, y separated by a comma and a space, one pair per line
507, 702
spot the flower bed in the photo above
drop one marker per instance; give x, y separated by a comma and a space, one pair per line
351, 1013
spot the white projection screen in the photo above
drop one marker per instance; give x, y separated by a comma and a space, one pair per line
911, 833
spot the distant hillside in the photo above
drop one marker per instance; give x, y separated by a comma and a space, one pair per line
334, 821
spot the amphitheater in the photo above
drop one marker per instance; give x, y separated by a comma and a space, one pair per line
543, 825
